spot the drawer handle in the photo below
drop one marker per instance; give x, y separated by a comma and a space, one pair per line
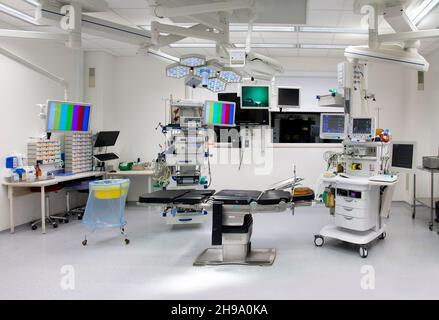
348, 199
348, 209
348, 218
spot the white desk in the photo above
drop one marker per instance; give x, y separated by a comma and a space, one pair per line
42, 184
148, 173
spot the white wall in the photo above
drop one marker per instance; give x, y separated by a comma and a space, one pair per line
20, 90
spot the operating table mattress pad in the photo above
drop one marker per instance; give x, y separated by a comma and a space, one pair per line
247, 196
188, 196
237, 197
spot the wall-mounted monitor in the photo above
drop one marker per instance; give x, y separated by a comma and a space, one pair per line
246, 116
68, 116
219, 113
255, 97
333, 126
403, 156
288, 97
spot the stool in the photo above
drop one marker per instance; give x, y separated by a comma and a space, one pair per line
80, 187
52, 219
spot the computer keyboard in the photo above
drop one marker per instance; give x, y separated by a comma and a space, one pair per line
384, 178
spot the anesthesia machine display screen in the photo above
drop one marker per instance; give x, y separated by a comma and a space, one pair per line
361, 125
255, 97
67, 116
219, 113
288, 97
333, 126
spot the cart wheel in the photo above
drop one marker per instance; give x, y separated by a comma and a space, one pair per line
34, 227
127, 241
79, 217
55, 225
363, 252
382, 236
66, 221
430, 226
84, 243
318, 240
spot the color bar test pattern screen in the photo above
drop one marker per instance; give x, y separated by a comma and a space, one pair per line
219, 113
67, 116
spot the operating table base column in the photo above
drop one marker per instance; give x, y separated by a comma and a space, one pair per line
233, 233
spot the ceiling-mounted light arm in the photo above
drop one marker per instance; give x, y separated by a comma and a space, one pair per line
407, 36
190, 10
183, 32
371, 11
72, 22
207, 20
38, 69
248, 40
272, 63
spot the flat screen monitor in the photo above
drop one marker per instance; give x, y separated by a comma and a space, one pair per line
106, 139
219, 113
68, 116
362, 128
246, 116
403, 156
255, 97
333, 126
288, 97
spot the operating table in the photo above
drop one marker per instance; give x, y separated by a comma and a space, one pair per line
232, 220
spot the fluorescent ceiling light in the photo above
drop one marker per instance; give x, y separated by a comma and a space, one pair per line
163, 55
421, 11
192, 45
18, 14
237, 45
32, 2
244, 28
332, 30
323, 46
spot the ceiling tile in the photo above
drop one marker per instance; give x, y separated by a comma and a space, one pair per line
128, 4
135, 16
313, 52
323, 18
335, 53
325, 5
274, 52
349, 19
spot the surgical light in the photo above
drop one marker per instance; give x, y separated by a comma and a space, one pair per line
209, 70
192, 60
177, 71
216, 85
229, 76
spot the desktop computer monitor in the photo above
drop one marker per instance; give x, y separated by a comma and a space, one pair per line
333, 126
106, 139
403, 156
68, 116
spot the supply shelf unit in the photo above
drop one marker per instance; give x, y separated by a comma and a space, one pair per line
78, 152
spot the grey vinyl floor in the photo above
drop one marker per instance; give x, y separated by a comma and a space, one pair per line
157, 264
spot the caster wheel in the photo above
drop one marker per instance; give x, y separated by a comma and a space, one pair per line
66, 221
318, 241
55, 225
382, 236
127, 241
363, 252
34, 227
61, 221
430, 227
84, 243
79, 217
